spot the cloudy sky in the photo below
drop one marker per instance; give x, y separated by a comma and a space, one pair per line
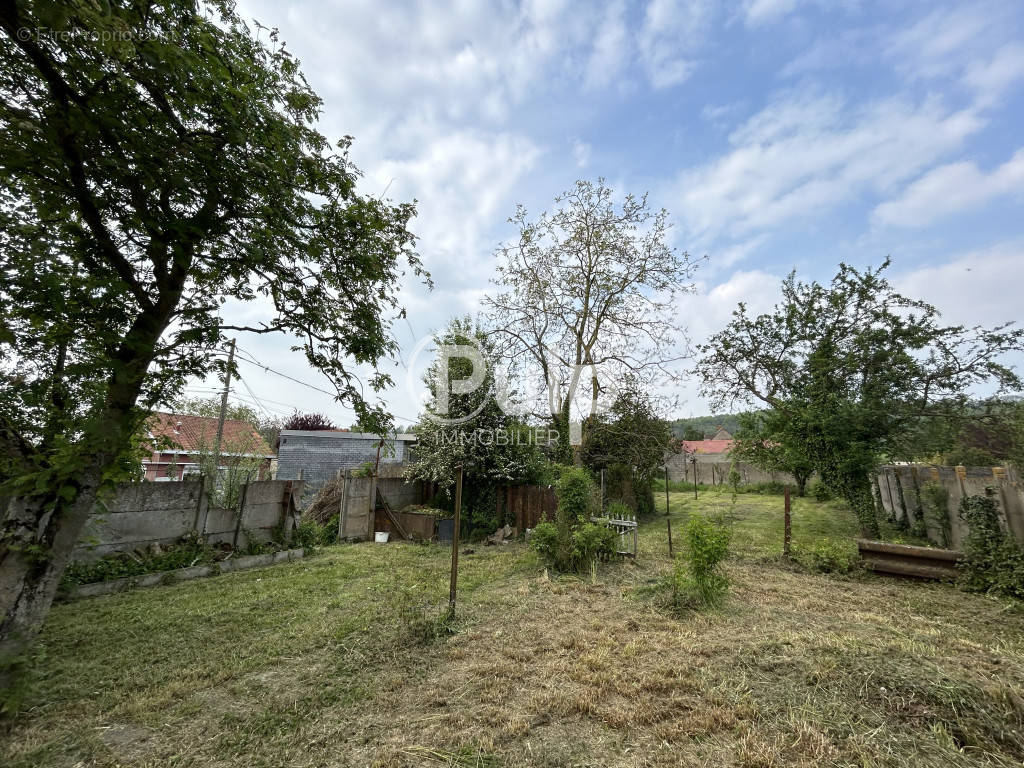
779, 134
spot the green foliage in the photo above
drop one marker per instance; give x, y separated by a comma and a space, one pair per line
700, 427
935, 501
698, 579
544, 541
573, 542
616, 510
827, 556
575, 493
161, 170
820, 492
775, 442
847, 370
631, 438
191, 550
590, 542
993, 560
363, 470
474, 432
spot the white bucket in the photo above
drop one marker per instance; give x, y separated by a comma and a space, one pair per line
381, 537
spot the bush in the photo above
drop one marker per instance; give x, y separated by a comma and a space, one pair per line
544, 541
575, 493
993, 561
590, 542
699, 580
827, 557
820, 492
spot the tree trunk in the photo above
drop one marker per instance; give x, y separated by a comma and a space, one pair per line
801, 484
38, 546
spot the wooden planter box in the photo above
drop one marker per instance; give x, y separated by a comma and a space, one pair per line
906, 560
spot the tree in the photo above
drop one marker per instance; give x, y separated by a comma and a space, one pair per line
631, 441
471, 429
692, 433
854, 365
776, 442
157, 161
592, 287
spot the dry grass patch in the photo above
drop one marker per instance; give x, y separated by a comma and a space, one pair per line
315, 664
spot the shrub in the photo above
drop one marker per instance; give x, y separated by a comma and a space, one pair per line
575, 494
993, 561
544, 541
591, 541
820, 492
827, 557
699, 580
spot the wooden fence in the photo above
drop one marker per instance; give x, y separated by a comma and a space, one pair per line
527, 505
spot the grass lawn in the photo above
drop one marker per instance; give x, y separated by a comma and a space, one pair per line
325, 662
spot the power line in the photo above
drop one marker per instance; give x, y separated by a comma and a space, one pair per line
248, 358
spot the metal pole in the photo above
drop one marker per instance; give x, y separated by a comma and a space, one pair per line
787, 536
455, 545
670, 555
693, 461
223, 414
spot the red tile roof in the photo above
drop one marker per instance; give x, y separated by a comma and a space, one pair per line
190, 433
707, 446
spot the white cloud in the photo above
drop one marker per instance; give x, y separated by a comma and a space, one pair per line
970, 289
671, 34
949, 189
611, 47
765, 11
990, 79
804, 154
581, 153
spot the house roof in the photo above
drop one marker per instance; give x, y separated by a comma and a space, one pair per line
345, 434
707, 446
192, 433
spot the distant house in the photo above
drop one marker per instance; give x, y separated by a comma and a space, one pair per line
721, 434
178, 441
321, 454
707, 450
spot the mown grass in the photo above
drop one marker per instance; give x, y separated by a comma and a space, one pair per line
324, 662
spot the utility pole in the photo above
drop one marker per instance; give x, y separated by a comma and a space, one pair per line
455, 546
223, 414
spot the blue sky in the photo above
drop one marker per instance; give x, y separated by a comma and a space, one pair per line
779, 134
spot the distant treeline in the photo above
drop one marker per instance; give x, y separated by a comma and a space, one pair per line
706, 426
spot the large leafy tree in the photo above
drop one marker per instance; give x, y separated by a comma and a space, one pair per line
159, 164
587, 295
849, 369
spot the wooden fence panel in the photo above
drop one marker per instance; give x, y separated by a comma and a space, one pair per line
527, 505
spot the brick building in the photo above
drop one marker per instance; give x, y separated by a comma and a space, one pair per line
179, 439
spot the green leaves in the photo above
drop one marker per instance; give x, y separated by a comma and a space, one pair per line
847, 371
157, 166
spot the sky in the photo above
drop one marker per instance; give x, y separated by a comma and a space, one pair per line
778, 134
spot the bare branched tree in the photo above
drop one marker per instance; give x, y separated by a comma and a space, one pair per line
590, 291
